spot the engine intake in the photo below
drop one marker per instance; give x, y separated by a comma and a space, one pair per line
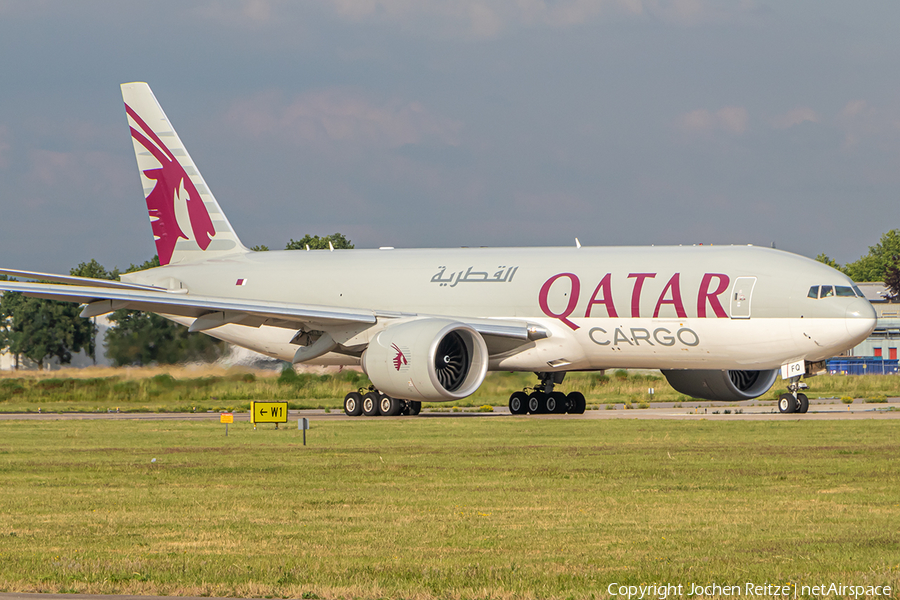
725, 386
431, 360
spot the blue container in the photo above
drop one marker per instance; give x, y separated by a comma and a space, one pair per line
863, 365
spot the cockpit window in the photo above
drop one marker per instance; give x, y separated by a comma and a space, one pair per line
829, 291
844, 291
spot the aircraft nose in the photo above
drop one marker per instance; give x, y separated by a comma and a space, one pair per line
861, 319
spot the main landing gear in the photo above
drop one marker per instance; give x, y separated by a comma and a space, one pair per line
371, 403
793, 401
543, 400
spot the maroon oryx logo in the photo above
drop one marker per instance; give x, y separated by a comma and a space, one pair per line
171, 182
399, 358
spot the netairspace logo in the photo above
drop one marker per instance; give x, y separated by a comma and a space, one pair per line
662, 591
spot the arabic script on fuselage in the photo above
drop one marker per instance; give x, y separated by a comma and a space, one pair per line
504, 274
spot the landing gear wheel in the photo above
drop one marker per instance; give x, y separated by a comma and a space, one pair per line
577, 403
550, 402
787, 403
353, 404
370, 404
537, 403
390, 407
543, 399
518, 403
413, 407
804, 403
558, 401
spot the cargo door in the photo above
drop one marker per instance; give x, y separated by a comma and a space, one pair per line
741, 293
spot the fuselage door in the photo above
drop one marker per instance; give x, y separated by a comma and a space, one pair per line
740, 297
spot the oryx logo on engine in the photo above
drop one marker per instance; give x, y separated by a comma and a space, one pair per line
399, 358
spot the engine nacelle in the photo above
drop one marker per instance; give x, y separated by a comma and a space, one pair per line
431, 360
726, 386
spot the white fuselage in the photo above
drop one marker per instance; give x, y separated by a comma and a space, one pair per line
728, 307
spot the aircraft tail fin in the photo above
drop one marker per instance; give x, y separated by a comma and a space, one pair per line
188, 224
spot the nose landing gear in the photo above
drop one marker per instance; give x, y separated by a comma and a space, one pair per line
793, 401
543, 400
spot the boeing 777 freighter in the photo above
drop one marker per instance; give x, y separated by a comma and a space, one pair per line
426, 325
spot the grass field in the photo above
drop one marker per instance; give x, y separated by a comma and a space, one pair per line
459, 508
179, 389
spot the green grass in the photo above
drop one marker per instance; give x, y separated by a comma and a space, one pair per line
158, 391
492, 507
163, 392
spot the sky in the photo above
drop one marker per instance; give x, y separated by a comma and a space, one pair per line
426, 123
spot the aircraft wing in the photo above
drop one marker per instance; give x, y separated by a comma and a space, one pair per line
212, 311
101, 300
72, 279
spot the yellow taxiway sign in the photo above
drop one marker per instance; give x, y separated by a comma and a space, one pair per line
268, 412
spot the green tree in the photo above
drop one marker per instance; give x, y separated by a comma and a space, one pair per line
94, 270
320, 243
260, 248
6, 336
825, 259
40, 329
874, 265
150, 264
140, 338
892, 278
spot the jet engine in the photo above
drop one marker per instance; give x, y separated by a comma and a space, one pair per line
429, 360
727, 386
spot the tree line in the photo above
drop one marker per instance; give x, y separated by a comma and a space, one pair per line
35, 330
881, 263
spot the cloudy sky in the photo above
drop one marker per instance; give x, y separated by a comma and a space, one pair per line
467, 123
